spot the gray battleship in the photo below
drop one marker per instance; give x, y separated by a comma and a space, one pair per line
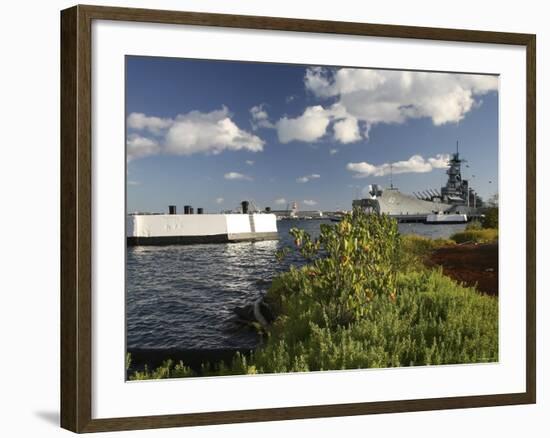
455, 200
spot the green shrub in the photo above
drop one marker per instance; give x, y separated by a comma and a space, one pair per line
414, 250
421, 245
490, 218
168, 370
350, 264
432, 321
413, 317
476, 236
474, 225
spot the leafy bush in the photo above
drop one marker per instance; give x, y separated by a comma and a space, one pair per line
168, 370
474, 225
414, 251
350, 264
490, 219
476, 236
432, 321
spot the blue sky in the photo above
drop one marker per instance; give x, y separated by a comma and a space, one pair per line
212, 133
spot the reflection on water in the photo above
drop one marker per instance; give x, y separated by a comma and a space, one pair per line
182, 296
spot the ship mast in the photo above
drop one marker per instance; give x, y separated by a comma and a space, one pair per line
456, 189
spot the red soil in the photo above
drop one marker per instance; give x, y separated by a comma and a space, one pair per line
471, 264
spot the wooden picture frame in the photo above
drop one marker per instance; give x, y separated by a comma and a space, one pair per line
76, 217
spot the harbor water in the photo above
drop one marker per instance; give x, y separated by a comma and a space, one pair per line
182, 296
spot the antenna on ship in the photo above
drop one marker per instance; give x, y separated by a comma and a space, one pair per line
391, 176
457, 148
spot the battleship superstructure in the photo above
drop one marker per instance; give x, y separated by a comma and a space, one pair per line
456, 197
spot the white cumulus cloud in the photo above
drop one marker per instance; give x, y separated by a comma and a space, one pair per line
314, 122
237, 176
307, 178
219, 200
415, 164
138, 146
190, 133
347, 130
250, 162
155, 125
310, 202
280, 201
310, 126
260, 118
384, 96
211, 132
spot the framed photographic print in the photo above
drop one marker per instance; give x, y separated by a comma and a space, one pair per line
268, 218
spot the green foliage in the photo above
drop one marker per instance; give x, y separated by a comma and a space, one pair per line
423, 245
168, 370
351, 263
474, 225
476, 236
432, 321
414, 250
490, 219
128, 361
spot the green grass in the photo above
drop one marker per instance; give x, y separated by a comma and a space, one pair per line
364, 300
485, 235
168, 370
474, 225
415, 250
